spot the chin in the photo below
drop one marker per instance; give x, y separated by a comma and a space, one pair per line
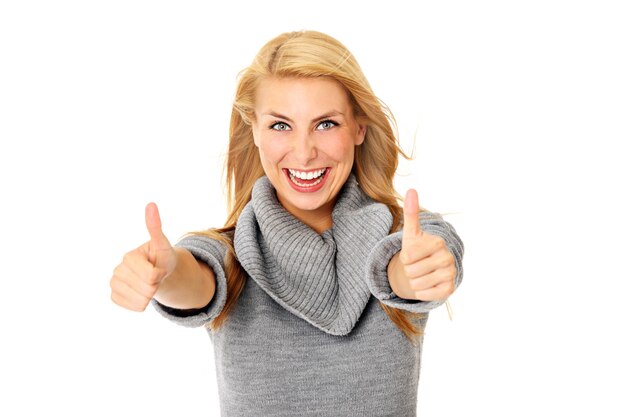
312, 198
305, 204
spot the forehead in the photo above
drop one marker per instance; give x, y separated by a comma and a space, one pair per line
301, 95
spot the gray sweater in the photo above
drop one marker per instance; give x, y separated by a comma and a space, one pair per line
307, 338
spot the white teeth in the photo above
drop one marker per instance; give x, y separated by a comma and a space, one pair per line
307, 175
295, 175
295, 181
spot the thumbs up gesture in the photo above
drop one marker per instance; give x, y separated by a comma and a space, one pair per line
424, 268
137, 278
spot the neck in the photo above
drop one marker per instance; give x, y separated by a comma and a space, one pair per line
318, 223
320, 219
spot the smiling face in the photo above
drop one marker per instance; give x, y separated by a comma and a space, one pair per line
306, 132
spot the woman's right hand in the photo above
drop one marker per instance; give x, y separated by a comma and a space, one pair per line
136, 280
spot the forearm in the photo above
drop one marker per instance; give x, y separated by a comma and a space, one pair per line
190, 286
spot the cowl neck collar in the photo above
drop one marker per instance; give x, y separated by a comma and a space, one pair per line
318, 277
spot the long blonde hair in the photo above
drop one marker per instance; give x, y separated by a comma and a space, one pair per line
308, 54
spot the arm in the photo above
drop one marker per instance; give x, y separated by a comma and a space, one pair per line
208, 254
424, 269
190, 286
157, 270
392, 288
430, 278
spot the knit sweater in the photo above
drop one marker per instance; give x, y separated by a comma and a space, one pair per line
308, 336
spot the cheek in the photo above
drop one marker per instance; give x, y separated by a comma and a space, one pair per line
340, 150
270, 150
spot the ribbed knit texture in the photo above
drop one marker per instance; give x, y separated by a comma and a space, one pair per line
306, 337
317, 277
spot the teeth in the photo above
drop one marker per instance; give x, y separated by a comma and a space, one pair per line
295, 175
295, 181
307, 175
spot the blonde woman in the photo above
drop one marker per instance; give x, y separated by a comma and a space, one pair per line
316, 291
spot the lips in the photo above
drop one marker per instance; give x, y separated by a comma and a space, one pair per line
307, 181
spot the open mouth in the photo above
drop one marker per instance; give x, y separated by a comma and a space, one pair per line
307, 179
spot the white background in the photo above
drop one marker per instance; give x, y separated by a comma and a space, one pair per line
517, 110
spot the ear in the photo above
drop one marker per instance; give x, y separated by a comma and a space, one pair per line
360, 134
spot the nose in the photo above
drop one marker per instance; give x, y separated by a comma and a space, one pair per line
304, 149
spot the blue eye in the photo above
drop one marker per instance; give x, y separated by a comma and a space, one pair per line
326, 124
280, 126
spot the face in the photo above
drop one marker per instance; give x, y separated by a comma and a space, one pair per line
306, 132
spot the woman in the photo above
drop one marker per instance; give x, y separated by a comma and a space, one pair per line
314, 222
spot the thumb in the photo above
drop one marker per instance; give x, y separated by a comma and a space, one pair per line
411, 227
158, 241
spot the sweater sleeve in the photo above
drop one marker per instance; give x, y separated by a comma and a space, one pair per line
381, 254
211, 252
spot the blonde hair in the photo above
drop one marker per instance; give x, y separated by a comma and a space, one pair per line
309, 54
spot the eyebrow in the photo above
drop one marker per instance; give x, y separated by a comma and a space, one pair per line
327, 115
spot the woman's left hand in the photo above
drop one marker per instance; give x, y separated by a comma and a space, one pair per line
424, 269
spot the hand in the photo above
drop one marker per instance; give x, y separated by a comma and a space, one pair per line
137, 278
424, 268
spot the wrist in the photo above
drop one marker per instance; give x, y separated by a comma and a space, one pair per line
392, 273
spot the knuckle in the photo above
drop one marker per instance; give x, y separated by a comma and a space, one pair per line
154, 277
150, 290
446, 275
133, 307
422, 296
114, 284
412, 271
119, 300
117, 271
443, 262
137, 306
417, 284
127, 258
